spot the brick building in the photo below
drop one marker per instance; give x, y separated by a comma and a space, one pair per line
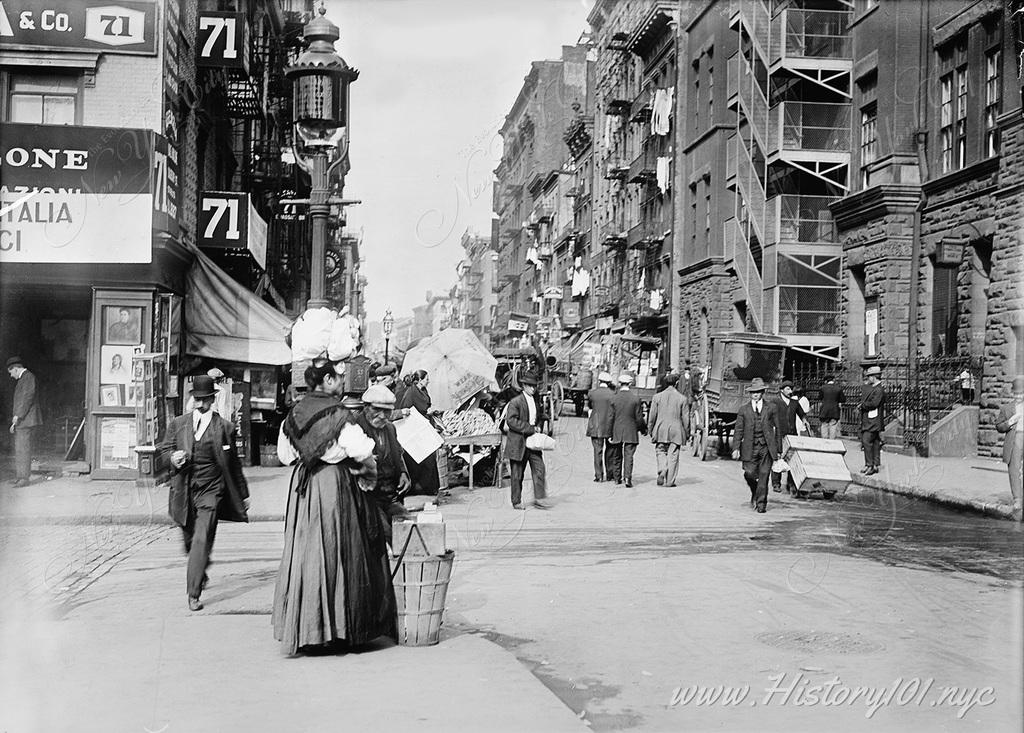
129, 133
475, 300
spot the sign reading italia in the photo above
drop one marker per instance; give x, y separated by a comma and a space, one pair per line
75, 194
124, 26
228, 220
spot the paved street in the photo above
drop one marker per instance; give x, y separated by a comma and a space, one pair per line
601, 612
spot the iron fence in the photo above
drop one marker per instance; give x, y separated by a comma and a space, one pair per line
915, 398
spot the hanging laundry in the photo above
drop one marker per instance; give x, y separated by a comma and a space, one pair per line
661, 111
657, 299
662, 173
580, 282
656, 109
640, 284
532, 256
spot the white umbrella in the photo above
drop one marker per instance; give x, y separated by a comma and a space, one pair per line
458, 365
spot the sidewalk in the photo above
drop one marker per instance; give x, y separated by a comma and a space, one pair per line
975, 484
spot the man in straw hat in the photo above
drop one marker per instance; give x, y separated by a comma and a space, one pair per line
760, 436
871, 420
599, 424
25, 417
1011, 415
627, 426
522, 418
207, 483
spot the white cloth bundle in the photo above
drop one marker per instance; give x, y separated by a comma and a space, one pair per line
540, 441
311, 333
344, 338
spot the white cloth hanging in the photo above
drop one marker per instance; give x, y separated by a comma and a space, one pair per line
580, 282
661, 111
657, 299
640, 283
662, 173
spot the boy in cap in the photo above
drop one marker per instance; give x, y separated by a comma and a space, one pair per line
24, 419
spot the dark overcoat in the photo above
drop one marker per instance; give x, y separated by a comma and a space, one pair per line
517, 420
746, 419
627, 417
26, 406
599, 424
873, 401
180, 436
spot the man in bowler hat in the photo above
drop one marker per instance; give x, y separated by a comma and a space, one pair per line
522, 419
599, 425
871, 420
207, 483
628, 425
24, 419
760, 436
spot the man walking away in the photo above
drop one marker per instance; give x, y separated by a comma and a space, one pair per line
627, 427
757, 428
1010, 417
871, 420
24, 419
832, 398
522, 420
599, 423
668, 412
206, 481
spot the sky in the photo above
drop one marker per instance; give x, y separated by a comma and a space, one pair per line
437, 78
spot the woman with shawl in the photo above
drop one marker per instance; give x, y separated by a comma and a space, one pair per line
425, 479
334, 583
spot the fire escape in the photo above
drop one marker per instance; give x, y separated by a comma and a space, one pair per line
789, 84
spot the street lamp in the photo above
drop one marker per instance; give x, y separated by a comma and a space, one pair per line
320, 80
387, 325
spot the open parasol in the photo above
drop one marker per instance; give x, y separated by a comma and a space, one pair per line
458, 365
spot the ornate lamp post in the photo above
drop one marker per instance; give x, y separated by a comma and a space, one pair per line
387, 325
320, 79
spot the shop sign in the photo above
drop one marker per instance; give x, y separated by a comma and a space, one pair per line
570, 314
517, 325
604, 323
76, 194
125, 26
228, 220
221, 41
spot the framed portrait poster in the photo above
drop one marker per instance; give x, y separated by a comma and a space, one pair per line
110, 395
122, 324
116, 364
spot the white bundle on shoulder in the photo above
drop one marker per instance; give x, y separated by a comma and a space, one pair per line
356, 444
344, 338
311, 333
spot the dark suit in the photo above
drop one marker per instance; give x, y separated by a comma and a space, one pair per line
627, 425
787, 413
26, 409
209, 487
831, 398
871, 426
1013, 449
599, 426
517, 419
760, 441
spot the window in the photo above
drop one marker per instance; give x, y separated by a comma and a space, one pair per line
693, 216
707, 212
868, 142
945, 310
961, 116
809, 294
711, 89
993, 101
696, 105
946, 121
50, 99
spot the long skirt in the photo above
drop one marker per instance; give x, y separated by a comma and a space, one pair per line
334, 583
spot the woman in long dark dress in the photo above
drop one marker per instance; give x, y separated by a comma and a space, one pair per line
425, 479
334, 582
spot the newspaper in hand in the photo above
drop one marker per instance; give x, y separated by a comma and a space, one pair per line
417, 437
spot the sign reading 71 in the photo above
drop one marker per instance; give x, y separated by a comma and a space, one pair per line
127, 26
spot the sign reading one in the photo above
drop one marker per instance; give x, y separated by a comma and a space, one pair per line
75, 194
221, 41
228, 220
125, 26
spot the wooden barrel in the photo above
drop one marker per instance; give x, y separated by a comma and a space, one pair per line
421, 586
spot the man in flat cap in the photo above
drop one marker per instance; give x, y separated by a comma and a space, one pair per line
385, 375
627, 426
207, 483
392, 475
599, 424
871, 406
760, 437
24, 418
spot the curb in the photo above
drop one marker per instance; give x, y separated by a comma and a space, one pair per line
991, 509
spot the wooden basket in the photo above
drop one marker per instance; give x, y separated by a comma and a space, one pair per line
421, 586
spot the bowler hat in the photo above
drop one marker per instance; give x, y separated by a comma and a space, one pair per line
15, 361
874, 371
1018, 384
379, 396
202, 387
756, 385
529, 378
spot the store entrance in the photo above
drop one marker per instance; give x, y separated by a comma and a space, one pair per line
49, 329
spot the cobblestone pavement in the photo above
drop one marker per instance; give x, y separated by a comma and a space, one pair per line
47, 566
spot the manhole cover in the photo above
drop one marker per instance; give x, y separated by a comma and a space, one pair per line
819, 641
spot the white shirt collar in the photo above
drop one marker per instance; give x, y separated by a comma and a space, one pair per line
201, 421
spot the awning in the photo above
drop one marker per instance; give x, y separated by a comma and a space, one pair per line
225, 321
